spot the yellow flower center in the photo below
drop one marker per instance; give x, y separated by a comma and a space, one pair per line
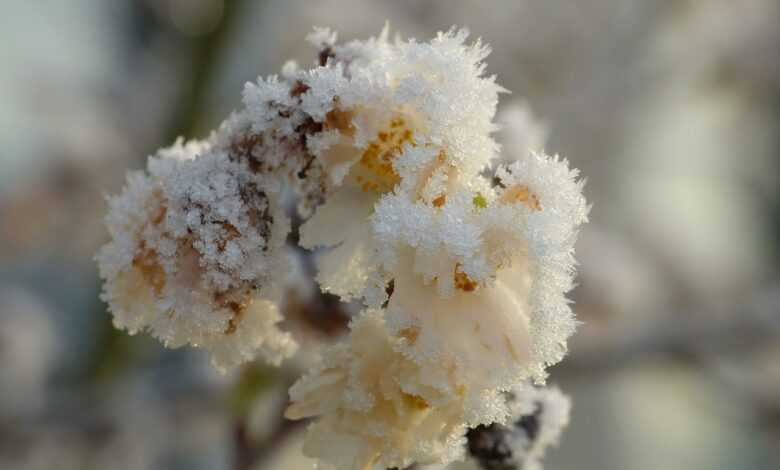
522, 194
374, 171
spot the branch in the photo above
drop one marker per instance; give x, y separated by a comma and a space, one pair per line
690, 338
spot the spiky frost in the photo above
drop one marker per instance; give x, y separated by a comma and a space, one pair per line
461, 254
197, 247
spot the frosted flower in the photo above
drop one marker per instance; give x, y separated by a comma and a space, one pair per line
377, 408
406, 135
481, 280
380, 409
539, 416
477, 270
462, 257
196, 255
381, 103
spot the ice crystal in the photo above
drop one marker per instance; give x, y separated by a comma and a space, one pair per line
538, 418
196, 252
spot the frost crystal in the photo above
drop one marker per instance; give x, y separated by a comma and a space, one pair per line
538, 418
477, 265
196, 252
461, 254
379, 408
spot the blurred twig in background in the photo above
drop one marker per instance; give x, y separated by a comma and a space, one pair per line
206, 50
687, 338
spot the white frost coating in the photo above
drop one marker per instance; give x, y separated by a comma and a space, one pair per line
196, 254
378, 409
549, 409
504, 258
383, 106
537, 418
477, 272
551, 233
322, 37
462, 256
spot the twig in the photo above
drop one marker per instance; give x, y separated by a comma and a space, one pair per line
755, 324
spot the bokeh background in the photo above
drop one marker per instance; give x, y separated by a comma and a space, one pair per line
671, 109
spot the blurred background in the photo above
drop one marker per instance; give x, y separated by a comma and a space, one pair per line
671, 109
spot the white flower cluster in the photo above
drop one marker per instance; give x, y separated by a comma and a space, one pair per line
462, 252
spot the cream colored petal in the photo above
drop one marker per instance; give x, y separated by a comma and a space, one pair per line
484, 332
346, 269
316, 395
332, 222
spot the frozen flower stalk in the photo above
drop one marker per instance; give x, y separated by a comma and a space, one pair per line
460, 250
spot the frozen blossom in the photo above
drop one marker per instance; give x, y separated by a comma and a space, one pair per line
196, 255
381, 409
378, 408
487, 268
460, 251
405, 113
